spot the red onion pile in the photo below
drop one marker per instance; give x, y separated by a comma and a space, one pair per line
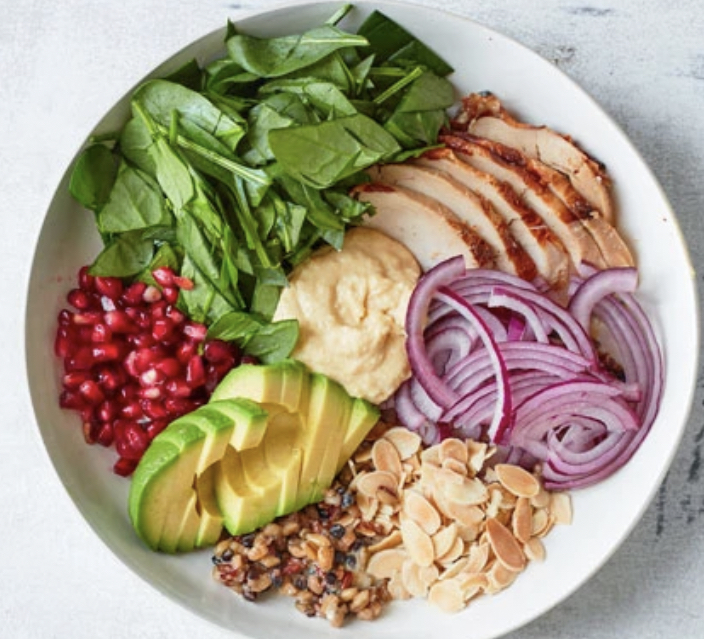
575, 388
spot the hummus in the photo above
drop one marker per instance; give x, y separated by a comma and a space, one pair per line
351, 308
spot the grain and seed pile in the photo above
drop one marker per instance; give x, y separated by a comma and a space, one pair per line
443, 523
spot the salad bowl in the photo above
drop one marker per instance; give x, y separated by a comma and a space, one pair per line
484, 60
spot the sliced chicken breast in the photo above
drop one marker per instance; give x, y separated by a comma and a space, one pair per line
469, 207
485, 116
525, 225
431, 231
534, 193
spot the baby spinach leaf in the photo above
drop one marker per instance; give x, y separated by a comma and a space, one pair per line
273, 342
93, 176
387, 39
135, 202
275, 57
126, 255
135, 141
322, 154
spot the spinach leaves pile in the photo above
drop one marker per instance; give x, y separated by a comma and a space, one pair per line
234, 172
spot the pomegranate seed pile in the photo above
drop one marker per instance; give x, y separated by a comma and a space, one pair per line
133, 362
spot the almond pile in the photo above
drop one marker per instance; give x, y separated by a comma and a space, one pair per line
455, 525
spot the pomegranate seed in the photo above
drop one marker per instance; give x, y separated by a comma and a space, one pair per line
111, 287
128, 393
216, 351
170, 294
91, 392
106, 435
177, 406
124, 467
108, 410
185, 351
106, 352
139, 316
163, 329
155, 427
195, 331
170, 366
91, 430
154, 409
63, 344
184, 283
163, 276
111, 378
65, 318
150, 392
174, 314
88, 317
132, 410
85, 279
74, 379
151, 377
79, 299
151, 294
142, 340
195, 372
132, 443
71, 400
178, 388
132, 295
119, 321
81, 360
100, 334
107, 304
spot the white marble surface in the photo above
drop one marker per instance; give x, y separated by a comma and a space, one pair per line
65, 63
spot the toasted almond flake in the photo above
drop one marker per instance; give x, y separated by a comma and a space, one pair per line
541, 500
561, 507
446, 595
468, 491
396, 587
541, 523
476, 455
505, 546
417, 542
455, 551
518, 480
392, 540
420, 510
444, 539
453, 448
417, 579
495, 499
454, 465
478, 555
384, 563
368, 506
468, 516
471, 581
374, 483
406, 442
500, 577
522, 520
385, 457
534, 549
430, 456
455, 568
469, 534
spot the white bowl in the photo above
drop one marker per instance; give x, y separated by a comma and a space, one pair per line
604, 515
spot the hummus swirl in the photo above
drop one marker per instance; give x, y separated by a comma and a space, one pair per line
351, 307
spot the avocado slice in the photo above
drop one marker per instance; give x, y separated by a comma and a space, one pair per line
164, 498
363, 417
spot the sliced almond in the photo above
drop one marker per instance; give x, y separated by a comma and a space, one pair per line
455, 568
385, 457
454, 465
453, 448
447, 595
468, 491
392, 540
476, 455
517, 480
522, 520
541, 523
396, 587
500, 577
420, 510
384, 563
454, 553
505, 546
534, 549
406, 442
418, 579
478, 555
417, 542
378, 484
561, 507
444, 539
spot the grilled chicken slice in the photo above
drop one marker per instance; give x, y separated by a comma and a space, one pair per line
485, 116
469, 207
526, 226
612, 246
427, 228
534, 193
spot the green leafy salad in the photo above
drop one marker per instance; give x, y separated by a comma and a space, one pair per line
233, 172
